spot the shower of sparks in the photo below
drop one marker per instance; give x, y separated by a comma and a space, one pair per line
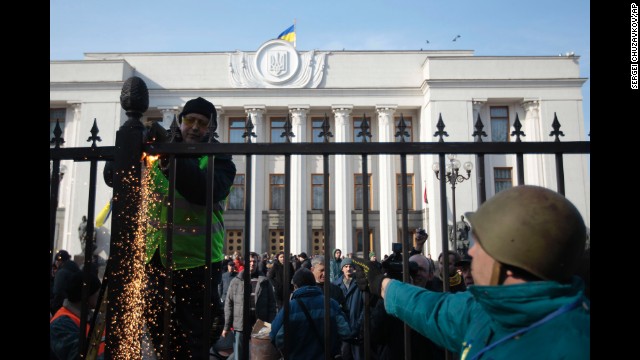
131, 320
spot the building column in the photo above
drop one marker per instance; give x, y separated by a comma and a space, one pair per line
298, 238
534, 164
71, 125
343, 181
387, 181
168, 113
66, 196
477, 106
480, 179
259, 184
221, 130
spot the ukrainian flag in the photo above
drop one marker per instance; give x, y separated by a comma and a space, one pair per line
103, 215
289, 34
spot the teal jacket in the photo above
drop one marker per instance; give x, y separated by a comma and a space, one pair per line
467, 322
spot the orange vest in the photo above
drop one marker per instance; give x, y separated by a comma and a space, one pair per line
65, 312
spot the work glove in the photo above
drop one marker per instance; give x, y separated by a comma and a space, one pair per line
368, 275
156, 134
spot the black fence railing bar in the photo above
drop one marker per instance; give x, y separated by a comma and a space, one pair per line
246, 324
328, 243
127, 155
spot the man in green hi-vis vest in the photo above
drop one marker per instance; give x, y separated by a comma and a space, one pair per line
189, 234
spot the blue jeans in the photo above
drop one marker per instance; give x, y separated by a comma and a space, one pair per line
237, 345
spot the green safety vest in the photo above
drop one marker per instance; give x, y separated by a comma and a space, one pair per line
189, 225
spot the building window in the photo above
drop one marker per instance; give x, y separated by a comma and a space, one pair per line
233, 242
56, 115
277, 128
502, 179
358, 186
317, 191
235, 201
276, 184
412, 236
317, 240
499, 123
410, 204
409, 129
236, 129
276, 240
357, 122
316, 129
359, 245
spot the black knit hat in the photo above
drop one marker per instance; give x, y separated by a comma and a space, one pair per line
74, 287
303, 277
63, 255
465, 261
198, 106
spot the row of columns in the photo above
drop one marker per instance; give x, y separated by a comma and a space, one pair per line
343, 170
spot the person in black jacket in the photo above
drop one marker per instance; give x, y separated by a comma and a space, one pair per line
227, 276
305, 262
276, 276
65, 269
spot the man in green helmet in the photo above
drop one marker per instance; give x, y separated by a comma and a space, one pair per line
526, 243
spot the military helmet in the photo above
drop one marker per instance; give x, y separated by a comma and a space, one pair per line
532, 228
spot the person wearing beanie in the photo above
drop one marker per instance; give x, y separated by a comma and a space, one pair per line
189, 222
306, 321
374, 259
303, 277
65, 269
64, 326
306, 262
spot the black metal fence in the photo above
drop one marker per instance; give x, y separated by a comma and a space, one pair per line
128, 152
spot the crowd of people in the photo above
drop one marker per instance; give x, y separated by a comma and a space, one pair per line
514, 291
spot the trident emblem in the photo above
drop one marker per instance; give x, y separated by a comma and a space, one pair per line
278, 62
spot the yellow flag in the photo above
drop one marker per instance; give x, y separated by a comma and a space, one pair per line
103, 215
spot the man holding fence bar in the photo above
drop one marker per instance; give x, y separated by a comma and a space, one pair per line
526, 243
187, 330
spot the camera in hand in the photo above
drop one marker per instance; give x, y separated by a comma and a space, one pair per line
393, 264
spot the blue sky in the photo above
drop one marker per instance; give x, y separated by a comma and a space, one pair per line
490, 27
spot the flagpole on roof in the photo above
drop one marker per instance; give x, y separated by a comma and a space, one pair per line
294, 31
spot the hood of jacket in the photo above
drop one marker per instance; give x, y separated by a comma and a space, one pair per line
306, 291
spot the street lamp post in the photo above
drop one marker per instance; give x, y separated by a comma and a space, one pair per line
452, 177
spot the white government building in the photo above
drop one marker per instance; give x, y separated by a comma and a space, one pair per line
278, 79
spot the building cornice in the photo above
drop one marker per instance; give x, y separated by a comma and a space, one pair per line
497, 83
85, 86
